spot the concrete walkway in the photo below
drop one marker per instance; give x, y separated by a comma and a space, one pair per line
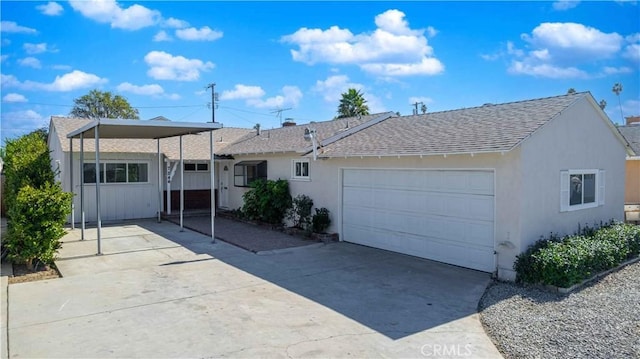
158, 292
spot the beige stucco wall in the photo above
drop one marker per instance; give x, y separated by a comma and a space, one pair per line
632, 182
579, 138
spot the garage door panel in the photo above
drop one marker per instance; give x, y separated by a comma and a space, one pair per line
442, 215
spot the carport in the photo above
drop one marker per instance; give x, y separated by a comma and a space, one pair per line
135, 129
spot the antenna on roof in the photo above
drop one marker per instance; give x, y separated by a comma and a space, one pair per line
279, 111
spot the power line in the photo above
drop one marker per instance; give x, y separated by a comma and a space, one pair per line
170, 106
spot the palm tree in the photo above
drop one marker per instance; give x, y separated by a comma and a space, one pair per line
617, 88
602, 104
352, 104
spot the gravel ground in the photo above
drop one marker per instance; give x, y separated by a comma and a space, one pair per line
601, 320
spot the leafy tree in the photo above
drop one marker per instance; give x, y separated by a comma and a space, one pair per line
352, 104
98, 104
571, 90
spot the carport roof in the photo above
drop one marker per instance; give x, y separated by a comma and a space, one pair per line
109, 128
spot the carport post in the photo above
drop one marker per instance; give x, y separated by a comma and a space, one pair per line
213, 188
73, 199
99, 228
81, 186
181, 187
159, 183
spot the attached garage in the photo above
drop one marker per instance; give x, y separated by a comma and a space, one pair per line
443, 215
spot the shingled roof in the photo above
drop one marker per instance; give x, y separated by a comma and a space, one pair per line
291, 138
488, 128
196, 147
632, 135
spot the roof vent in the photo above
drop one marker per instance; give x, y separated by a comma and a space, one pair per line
288, 122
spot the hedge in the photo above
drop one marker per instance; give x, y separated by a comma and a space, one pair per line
565, 261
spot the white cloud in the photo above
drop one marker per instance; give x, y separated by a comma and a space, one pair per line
74, 80
242, 92
560, 50
14, 97
562, 5
51, 8
431, 31
30, 62
33, 49
608, 70
68, 82
17, 123
204, 34
164, 66
333, 87
570, 41
632, 52
3, 57
393, 49
146, 90
12, 26
162, 36
291, 96
175, 23
9, 81
108, 11
546, 70
428, 66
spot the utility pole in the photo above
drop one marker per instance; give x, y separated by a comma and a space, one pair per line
214, 100
415, 105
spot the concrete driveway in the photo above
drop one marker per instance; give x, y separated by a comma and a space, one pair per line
158, 292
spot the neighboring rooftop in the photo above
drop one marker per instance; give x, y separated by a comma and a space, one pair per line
488, 128
632, 135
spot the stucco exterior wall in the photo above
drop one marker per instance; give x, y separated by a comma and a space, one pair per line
579, 138
632, 182
325, 185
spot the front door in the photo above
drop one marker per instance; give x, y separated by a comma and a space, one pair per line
223, 184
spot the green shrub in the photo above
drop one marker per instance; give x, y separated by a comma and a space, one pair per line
321, 220
37, 219
267, 201
27, 162
566, 261
300, 212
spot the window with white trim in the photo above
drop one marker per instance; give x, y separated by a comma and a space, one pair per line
300, 169
117, 172
196, 167
580, 189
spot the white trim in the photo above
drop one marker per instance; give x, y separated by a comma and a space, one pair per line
293, 169
126, 163
597, 189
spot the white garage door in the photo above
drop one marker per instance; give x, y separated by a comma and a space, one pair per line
446, 216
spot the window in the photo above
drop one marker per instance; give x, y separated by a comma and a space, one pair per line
117, 172
581, 189
300, 169
196, 167
246, 172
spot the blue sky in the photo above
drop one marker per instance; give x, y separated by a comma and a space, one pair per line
265, 56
